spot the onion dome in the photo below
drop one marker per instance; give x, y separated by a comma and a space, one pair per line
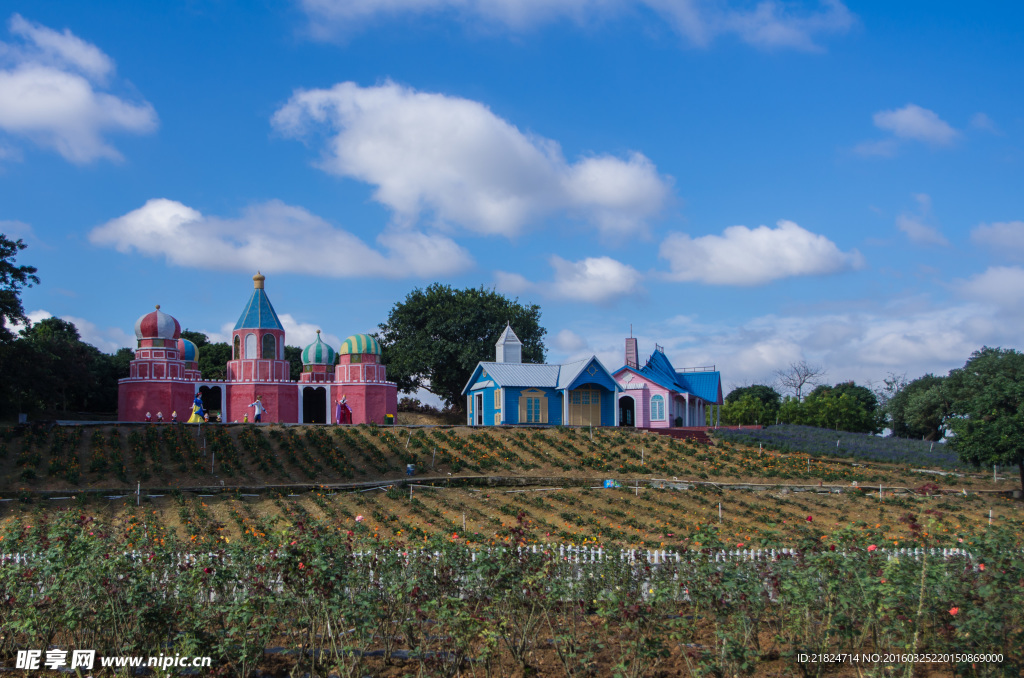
360, 343
157, 325
318, 353
188, 351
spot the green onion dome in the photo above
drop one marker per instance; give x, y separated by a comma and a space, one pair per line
318, 353
360, 343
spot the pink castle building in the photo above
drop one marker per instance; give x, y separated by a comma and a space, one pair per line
164, 376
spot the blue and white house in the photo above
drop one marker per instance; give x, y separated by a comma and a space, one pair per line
509, 391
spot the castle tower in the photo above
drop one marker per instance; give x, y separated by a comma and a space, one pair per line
258, 368
508, 349
257, 342
317, 362
362, 380
158, 380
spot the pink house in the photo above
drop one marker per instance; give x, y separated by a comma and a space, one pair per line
658, 395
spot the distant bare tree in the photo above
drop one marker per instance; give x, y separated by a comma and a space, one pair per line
798, 375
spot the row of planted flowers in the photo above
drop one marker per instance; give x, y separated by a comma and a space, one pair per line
445, 607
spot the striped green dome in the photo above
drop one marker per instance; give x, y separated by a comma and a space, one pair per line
360, 343
318, 353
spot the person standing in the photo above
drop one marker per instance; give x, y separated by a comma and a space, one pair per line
197, 410
259, 408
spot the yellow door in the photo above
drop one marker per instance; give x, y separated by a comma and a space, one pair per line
585, 407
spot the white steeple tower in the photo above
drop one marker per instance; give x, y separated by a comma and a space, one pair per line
508, 349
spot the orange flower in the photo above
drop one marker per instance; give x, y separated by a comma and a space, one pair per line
954, 610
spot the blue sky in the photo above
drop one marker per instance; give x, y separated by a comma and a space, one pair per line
746, 184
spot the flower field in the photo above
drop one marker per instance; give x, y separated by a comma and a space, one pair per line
112, 457
450, 578
339, 600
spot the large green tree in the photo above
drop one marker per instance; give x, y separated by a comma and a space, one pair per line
12, 279
986, 399
757, 404
436, 336
918, 409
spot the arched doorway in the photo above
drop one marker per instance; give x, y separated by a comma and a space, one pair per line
314, 405
627, 411
212, 401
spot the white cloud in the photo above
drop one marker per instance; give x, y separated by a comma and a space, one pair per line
914, 226
455, 159
569, 342
49, 95
512, 283
904, 335
744, 256
919, 232
61, 49
108, 339
919, 124
16, 230
999, 285
275, 237
593, 280
769, 24
303, 334
984, 123
1005, 237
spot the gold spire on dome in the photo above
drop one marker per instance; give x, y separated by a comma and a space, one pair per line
257, 280
158, 307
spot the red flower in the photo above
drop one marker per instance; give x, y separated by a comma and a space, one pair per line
872, 548
207, 570
301, 566
832, 547
739, 545
810, 519
954, 610
981, 566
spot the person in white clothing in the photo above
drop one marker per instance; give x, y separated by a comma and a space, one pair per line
260, 408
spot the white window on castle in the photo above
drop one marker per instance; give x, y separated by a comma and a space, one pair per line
250, 346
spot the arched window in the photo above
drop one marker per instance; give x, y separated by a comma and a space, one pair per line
657, 408
250, 346
269, 346
238, 348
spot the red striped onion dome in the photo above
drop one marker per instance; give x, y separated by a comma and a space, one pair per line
318, 353
157, 325
188, 351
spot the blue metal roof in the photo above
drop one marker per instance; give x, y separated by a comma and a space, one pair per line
534, 375
704, 385
258, 313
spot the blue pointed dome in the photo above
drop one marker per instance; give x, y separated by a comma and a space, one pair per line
259, 313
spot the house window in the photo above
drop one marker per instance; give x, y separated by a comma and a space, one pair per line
533, 407
497, 399
238, 348
269, 347
250, 346
657, 408
533, 410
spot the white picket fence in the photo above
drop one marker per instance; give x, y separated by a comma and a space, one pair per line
579, 555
